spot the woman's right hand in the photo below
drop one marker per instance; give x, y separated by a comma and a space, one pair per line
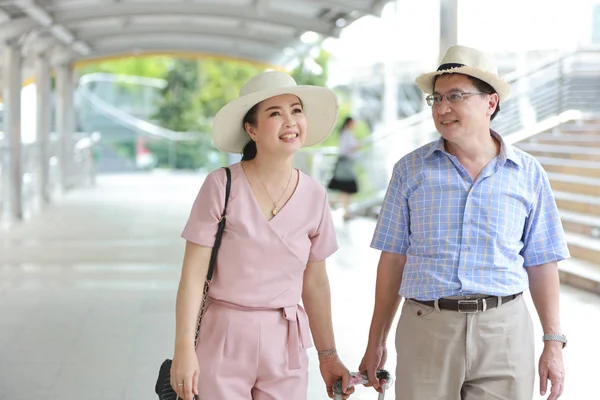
184, 374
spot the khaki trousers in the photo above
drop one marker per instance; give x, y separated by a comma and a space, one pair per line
447, 355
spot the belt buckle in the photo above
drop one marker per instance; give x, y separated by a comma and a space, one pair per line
468, 306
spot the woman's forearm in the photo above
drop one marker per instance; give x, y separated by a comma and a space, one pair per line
189, 294
186, 313
316, 297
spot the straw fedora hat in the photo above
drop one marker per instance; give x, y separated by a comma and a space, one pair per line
467, 61
320, 109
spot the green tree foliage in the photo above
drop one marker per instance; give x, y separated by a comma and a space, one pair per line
220, 82
195, 91
176, 107
176, 111
150, 67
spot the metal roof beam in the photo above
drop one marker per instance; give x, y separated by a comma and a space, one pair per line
4, 16
131, 41
341, 6
97, 34
39, 15
19, 26
262, 7
181, 49
377, 7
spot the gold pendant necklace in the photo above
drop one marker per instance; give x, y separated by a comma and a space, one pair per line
274, 211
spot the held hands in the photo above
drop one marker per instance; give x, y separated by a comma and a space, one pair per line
332, 370
374, 359
184, 374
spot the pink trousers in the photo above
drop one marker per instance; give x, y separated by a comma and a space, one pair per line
252, 354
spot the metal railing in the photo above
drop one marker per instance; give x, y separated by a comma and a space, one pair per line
121, 107
544, 95
120, 110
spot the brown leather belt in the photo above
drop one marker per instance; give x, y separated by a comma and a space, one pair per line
469, 306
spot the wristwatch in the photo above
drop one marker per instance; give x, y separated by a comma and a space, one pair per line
557, 337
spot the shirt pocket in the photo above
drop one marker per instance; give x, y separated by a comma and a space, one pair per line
435, 213
505, 215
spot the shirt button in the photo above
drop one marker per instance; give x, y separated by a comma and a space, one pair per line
467, 248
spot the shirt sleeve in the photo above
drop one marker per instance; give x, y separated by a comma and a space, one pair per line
392, 231
543, 237
202, 223
323, 240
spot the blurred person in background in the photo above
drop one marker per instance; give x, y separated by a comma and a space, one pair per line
344, 179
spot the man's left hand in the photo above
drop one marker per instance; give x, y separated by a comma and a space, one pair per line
551, 368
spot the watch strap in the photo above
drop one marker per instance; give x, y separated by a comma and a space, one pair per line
557, 337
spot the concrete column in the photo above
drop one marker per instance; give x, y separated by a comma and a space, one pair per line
65, 120
448, 26
43, 117
12, 128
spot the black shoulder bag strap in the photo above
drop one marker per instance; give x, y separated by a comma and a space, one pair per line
213, 255
220, 229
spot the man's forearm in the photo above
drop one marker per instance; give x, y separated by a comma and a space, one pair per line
544, 285
387, 300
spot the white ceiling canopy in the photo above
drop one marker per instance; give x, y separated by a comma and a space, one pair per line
255, 30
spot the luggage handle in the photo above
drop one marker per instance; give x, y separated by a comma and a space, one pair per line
361, 378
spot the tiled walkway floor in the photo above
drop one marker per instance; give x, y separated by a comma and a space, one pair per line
87, 293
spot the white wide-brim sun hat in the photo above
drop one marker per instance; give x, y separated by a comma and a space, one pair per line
467, 61
320, 107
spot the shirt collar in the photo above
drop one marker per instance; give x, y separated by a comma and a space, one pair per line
506, 152
438, 145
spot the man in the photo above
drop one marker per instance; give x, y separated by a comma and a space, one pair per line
468, 223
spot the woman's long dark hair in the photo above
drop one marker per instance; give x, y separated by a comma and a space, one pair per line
249, 151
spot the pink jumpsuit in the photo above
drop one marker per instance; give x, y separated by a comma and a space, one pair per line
254, 334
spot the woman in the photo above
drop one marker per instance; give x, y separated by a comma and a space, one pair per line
344, 178
254, 335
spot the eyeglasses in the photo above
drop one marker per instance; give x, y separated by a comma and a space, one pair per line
452, 97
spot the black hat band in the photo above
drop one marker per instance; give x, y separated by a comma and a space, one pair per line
447, 66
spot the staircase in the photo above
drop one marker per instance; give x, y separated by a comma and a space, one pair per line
570, 154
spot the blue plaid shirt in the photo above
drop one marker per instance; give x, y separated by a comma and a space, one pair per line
462, 237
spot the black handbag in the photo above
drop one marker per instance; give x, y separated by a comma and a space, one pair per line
163, 384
